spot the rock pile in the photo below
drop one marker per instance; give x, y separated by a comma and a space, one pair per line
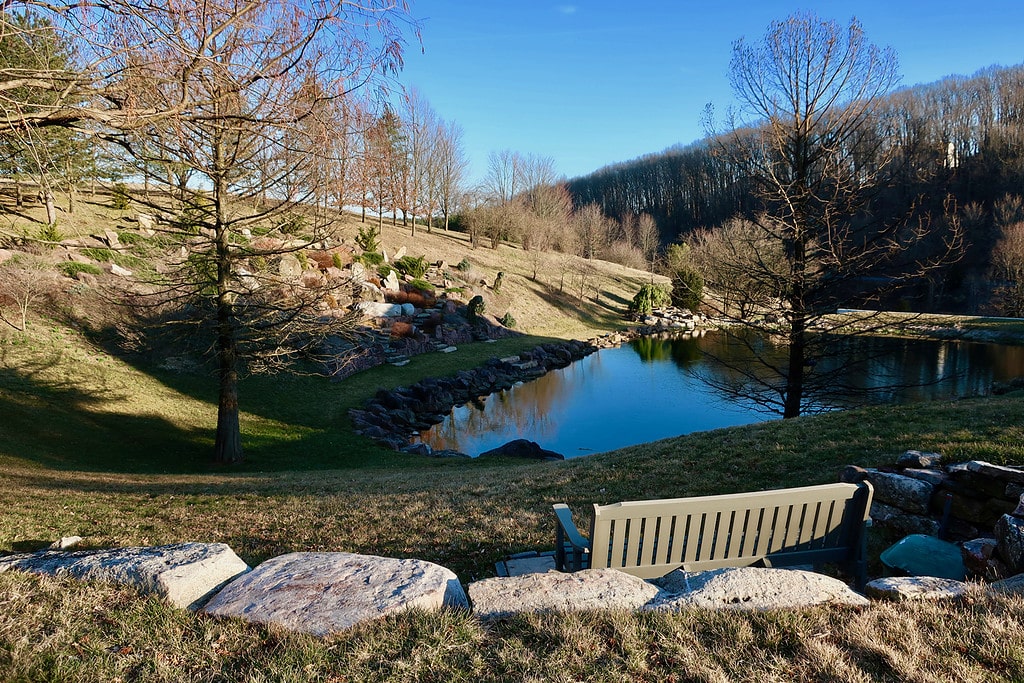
979, 504
671, 318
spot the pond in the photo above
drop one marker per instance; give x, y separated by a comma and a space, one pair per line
654, 388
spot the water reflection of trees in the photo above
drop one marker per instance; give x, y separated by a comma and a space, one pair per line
684, 351
862, 370
525, 409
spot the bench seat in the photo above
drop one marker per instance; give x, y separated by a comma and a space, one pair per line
777, 528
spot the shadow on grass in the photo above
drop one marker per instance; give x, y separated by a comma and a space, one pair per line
601, 314
289, 422
64, 427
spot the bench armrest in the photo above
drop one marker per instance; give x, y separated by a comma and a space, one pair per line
572, 551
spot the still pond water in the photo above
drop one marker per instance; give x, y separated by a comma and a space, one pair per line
657, 388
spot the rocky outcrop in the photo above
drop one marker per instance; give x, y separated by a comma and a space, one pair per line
184, 574
395, 417
752, 588
322, 593
557, 592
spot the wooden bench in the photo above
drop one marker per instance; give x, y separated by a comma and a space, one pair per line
784, 527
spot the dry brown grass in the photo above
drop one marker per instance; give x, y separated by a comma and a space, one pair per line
90, 632
537, 305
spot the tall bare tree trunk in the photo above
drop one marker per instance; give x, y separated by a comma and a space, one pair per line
51, 210
228, 444
795, 371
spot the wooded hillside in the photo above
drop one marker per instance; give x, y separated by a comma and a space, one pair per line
959, 153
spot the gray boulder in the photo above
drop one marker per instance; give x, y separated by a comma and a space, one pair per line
374, 309
906, 493
184, 574
391, 282
752, 588
915, 588
1009, 532
917, 459
905, 523
1013, 585
1006, 474
522, 448
290, 268
558, 592
322, 593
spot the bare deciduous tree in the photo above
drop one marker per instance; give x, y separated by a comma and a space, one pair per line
592, 230
24, 281
451, 171
816, 168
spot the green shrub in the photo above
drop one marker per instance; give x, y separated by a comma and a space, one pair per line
476, 307
687, 289
422, 286
371, 259
464, 265
50, 233
72, 268
111, 256
648, 298
508, 321
336, 261
413, 266
384, 269
120, 198
291, 223
100, 254
497, 282
367, 239
129, 238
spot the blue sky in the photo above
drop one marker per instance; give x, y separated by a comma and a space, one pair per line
594, 82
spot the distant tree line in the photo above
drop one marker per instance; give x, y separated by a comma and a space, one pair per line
954, 148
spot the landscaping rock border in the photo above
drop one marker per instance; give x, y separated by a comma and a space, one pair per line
393, 418
185, 574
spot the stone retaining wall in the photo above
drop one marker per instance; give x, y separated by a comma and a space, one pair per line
976, 503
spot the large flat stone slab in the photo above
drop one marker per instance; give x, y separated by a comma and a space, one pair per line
185, 574
753, 588
558, 592
322, 593
915, 588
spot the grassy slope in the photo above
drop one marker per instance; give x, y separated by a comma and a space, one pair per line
93, 446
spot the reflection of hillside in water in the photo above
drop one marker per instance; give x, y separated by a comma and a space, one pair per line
525, 411
684, 351
659, 387
860, 370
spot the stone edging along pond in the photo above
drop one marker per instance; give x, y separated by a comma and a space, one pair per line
393, 418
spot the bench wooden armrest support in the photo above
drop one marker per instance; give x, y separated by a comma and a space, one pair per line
778, 528
572, 551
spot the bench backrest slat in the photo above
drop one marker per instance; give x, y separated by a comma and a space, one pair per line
650, 538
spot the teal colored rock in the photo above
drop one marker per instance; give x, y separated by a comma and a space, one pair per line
920, 555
